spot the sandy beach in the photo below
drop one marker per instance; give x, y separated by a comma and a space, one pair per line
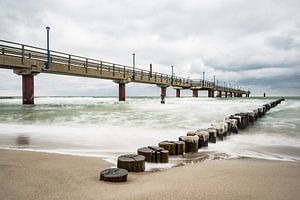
32, 175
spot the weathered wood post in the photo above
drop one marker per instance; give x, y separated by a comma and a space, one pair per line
132, 162
212, 135
114, 175
154, 154
191, 143
174, 147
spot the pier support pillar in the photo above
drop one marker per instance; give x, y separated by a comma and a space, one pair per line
163, 91
28, 89
178, 93
230, 94
122, 93
226, 94
219, 94
163, 94
195, 93
211, 93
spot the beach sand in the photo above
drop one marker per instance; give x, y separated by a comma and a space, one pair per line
32, 175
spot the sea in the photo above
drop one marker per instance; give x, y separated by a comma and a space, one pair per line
106, 128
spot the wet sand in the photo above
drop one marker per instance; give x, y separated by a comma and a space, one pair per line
31, 175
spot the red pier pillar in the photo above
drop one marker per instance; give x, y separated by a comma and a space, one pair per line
163, 91
178, 93
163, 94
122, 92
211, 93
220, 94
195, 93
28, 89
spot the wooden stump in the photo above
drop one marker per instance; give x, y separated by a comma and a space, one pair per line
260, 112
114, 175
212, 135
154, 154
174, 147
229, 124
244, 119
191, 143
161, 155
264, 108
22, 140
233, 124
234, 127
203, 138
220, 131
255, 112
268, 106
132, 162
251, 117
224, 127
238, 118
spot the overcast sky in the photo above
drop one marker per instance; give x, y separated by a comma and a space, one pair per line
251, 43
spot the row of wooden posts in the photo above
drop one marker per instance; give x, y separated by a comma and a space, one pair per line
190, 143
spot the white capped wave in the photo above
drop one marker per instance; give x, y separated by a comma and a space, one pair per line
106, 128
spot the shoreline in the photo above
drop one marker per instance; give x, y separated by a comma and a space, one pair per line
35, 175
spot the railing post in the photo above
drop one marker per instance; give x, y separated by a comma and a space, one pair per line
113, 69
155, 76
69, 63
3, 51
142, 74
86, 65
101, 67
23, 51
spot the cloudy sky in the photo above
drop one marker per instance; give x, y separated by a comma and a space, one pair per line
251, 43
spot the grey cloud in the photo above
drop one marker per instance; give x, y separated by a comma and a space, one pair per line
231, 39
285, 42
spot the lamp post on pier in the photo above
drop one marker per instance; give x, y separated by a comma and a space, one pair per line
203, 79
133, 64
214, 81
48, 48
172, 74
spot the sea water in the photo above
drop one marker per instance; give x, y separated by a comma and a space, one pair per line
105, 128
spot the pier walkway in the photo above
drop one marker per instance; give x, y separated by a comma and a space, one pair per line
28, 61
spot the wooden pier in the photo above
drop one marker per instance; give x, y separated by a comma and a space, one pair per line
28, 61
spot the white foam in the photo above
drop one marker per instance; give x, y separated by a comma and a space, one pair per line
106, 128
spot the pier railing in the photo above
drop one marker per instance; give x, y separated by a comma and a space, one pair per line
24, 52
